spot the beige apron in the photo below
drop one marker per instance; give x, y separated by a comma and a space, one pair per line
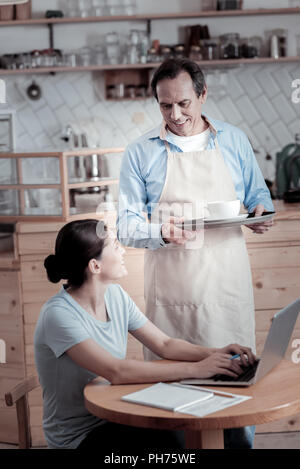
200, 292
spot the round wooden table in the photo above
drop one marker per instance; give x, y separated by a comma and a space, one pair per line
276, 396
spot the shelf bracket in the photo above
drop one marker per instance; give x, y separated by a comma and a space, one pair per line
51, 36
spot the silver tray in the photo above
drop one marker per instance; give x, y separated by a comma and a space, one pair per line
243, 219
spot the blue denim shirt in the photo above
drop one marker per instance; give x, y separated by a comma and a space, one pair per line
143, 174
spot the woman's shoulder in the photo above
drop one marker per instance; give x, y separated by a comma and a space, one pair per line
56, 303
115, 290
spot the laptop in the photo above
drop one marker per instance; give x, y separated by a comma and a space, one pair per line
274, 350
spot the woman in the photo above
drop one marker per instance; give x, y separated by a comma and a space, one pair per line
82, 332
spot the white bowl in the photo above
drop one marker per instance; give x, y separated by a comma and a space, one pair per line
224, 209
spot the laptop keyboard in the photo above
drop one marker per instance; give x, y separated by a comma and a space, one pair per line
246, 375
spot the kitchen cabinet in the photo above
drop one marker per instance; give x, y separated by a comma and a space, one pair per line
275, 263
140, 70
70, 183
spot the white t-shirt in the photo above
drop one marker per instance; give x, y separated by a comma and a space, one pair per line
62, 324
196, 142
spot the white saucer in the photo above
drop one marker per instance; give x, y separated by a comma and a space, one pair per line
242, 216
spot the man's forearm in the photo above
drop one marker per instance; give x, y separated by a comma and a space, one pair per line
132, 232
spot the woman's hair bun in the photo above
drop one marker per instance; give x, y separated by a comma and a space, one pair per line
52, 267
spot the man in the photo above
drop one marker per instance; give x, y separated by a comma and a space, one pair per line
198, 290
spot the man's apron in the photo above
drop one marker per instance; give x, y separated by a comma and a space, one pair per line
200, 292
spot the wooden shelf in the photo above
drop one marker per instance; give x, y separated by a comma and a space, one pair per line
152, 16
100, 68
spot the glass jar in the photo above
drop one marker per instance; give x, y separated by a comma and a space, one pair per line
153, 56
111, 92
141, 91
229, 46
195, 53
85, 56
179, 51
250, 47
36, 59
166, 52
112, 48
210, 49
70, 59
143, 46
130, 91
98, 54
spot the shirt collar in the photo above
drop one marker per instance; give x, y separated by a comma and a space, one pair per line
160, 131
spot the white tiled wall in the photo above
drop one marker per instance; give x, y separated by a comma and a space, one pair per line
254, 98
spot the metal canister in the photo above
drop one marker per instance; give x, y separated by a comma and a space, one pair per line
274, 46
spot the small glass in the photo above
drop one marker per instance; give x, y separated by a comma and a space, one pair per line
98, 54
48, 58
98, 7
85, 56
114, 7
85, 8
144, 44
130, 91
36, 59
120, 91
70, 59
129, 7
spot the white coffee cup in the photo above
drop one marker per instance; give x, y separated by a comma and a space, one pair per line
224, 209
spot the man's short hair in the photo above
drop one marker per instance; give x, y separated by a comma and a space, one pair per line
171, 68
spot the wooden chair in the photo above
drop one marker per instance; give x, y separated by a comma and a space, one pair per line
19, 396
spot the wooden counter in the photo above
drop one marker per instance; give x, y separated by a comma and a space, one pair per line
275, 263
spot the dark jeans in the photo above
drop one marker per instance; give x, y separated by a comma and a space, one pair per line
112, 436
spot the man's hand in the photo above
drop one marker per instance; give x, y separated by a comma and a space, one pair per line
173, 234
260, 228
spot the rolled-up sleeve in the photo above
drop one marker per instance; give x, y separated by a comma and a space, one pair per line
133, 228
256, 190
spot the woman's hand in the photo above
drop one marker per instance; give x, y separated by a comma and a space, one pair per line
236, 349
217, 363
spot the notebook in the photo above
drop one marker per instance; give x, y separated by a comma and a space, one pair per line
173, 396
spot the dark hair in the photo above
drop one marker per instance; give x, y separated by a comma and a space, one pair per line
76, 244
171, 68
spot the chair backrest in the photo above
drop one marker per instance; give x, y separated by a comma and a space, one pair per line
19, 396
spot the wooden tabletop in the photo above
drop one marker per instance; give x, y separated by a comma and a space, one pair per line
276, 396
